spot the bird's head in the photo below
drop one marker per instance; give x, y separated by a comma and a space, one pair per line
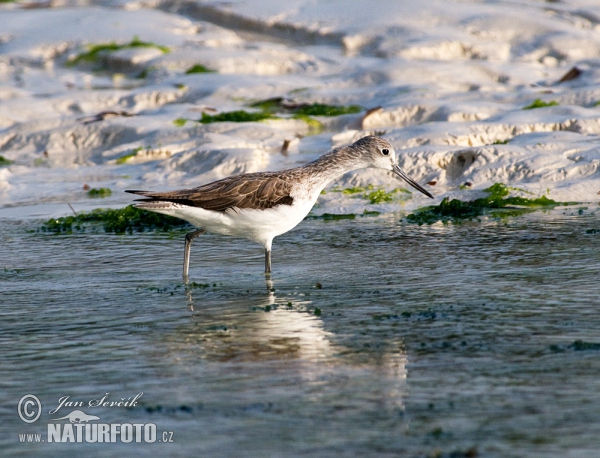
379, 153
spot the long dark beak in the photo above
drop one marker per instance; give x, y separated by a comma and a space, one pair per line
398, 171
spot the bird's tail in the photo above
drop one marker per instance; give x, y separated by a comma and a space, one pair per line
156, 205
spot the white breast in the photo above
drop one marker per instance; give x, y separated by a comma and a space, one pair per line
260, 226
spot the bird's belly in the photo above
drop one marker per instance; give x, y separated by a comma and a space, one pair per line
258, 225
263, 225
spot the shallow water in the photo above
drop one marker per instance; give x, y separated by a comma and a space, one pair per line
430, 340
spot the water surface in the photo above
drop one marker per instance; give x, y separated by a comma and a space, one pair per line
374, 337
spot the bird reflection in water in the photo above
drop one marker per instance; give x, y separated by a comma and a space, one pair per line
279, 331
259, 326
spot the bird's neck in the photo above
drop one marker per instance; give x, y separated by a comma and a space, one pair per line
333, 165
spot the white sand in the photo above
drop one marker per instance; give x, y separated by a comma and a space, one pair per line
450, 78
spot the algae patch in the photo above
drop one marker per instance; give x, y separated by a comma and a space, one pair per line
279, 108
235, 116
120, 221
374, 196
304, 111
95, 51
498, 199
539, 103
4, 162
353, 190
578, 345
144, 154
321, 109
198, 68
380, 196
126, 157
340, 216
281, 105
99, 192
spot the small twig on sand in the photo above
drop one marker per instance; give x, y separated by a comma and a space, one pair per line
285, 147
72, 209
104, 115
570, 75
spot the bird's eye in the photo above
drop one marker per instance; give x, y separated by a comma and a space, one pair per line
385, 151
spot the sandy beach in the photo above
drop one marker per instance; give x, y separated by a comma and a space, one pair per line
376, 336
446, 83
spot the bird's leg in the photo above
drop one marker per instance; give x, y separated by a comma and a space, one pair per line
186, 254
267, 261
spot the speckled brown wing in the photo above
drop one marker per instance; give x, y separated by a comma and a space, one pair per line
257, 191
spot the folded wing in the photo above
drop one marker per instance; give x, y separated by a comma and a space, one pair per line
250, 191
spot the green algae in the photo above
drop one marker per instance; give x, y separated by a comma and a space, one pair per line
336, 217
198, 68
353, 190
99, 192
120, 221
4, 162
235, 116
126, 157
271, 105
271, 108
194, 285
94, 51
370, 213
380, 196
180, 122
374, 196
280, 105
499, 198
341, 216
321, 109
580, 345
123, 159
539, 103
